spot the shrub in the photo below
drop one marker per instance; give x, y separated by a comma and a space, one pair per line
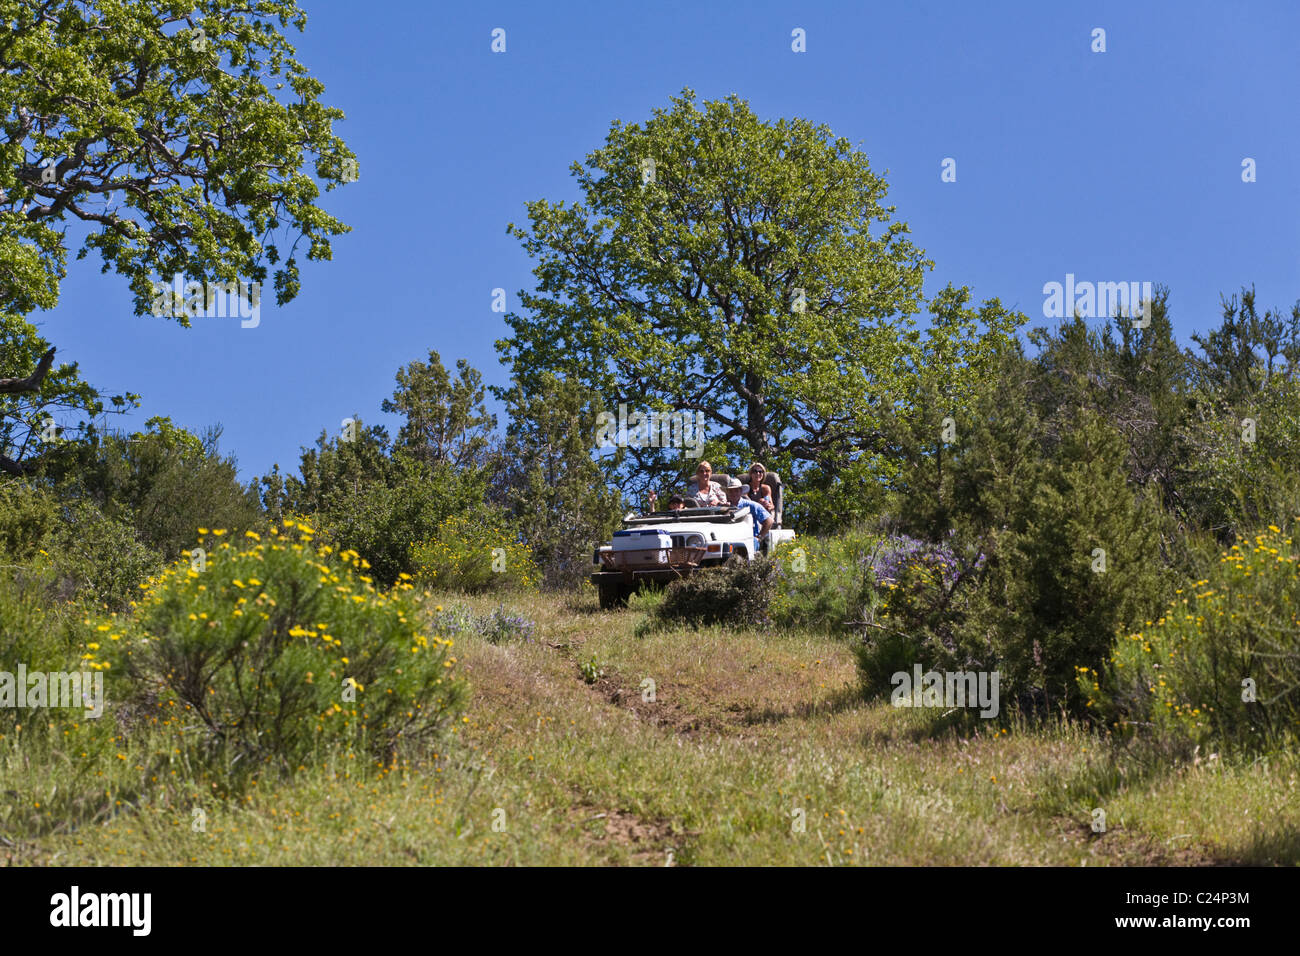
275, 651
591, 670
502, 626
928, 593
736, 594
100, 559
497, 626
1051, 605
1185, 672
899, 555
559, 497
473, 554
36, 631
362, 495
163, 482
27, 518
1027, 596
823, 583
58, 764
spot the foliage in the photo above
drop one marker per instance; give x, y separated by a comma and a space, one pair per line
1242, 467
473, 553
1087, 563
929, 593
590, 670
123, 506
825, 582
446, 421
381, 498
40, 427
28, 516
43, 633
736, 594
942, 380
1247, 348
36, 629
364, 498
1221, 665
163, 482
497, 626
1050, 555
1135, 377
143, 134
101, 559
683, 293
556, 493
273, 652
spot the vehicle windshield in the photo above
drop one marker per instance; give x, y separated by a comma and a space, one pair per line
720, 512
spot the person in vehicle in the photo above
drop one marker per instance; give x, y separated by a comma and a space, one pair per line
675, 503
761, 517
757, 490
707, 491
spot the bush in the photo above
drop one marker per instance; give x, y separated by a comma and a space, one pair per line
1052, 606
473, 554
824, 583
497, 626
835, 584
35, 630
1185, 673
96, 558
28, 516
362, 495
928, 594
276, 652
736, 594
1027, 596
58, 764
100, 559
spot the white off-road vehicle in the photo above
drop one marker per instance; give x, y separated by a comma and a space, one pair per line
655, 549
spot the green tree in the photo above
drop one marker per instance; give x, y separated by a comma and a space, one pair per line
28, 516
558, 495
134, 119
1241, 466
446, 421
362, 497
1131, 372
718, 264
964, 349
181, 137
165, 483
1087, 563
1247, 348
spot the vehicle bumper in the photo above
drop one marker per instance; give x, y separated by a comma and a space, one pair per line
629, 576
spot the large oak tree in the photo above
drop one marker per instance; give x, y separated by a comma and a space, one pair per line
747, 271
176, 137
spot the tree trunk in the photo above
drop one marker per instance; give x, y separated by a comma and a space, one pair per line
756, 424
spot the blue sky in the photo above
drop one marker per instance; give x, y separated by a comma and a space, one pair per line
1115, 166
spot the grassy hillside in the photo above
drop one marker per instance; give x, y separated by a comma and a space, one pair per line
561, 752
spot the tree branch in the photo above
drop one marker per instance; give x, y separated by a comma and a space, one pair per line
32, 383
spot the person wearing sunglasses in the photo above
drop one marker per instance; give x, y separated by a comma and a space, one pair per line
756, 490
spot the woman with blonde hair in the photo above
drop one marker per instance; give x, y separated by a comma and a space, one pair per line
707, 491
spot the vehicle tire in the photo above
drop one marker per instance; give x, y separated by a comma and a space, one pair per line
612, 595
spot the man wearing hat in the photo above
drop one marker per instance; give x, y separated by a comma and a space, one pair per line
761, 516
